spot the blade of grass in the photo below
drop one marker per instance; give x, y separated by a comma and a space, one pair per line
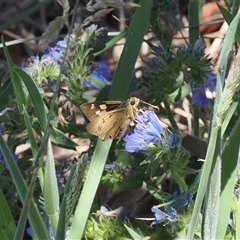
229, 168
212, 202
122, 79
111, 43
194, 8
34, 215
7, 224
89, 189
15, 80
35, 97
24, 214
50, 189
213, 147
133, 234
124, 71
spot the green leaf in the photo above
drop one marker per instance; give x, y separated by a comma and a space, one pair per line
124, 71
111, 42
214, 146
179, 94
6, 92
25, 209
212, 202
229, 168
21, 100
89, 189
228, 17
133, 234
50, 189
7, 224
35, 97
193, 19
227, 46
61, 223
34, 216
60, 139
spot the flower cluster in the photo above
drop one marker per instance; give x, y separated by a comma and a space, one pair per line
147, 132
48, 66
45, 68
171, 214
99, 77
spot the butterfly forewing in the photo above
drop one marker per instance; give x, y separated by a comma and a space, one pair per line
94, 108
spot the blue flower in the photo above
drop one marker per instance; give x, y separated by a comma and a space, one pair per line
56, 52
29, 231
238, 163
172, 141
199, 96
103, 70
2, 129
161, 216
172, 214
99, 77
211, 82
148, 131
181, 202
110, 167
48, 65
15, 157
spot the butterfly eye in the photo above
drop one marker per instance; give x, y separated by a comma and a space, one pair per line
132, 102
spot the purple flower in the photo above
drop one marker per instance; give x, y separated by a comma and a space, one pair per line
148, 131
211, 82
199, 96
99, 77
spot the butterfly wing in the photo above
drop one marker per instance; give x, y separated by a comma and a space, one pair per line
107, 125
93, 109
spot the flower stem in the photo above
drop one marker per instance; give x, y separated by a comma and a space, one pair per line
171, 118
180, 180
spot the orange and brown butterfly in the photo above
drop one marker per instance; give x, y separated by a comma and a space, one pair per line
111, 119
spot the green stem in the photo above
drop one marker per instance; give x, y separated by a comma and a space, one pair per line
180, 180
171, 118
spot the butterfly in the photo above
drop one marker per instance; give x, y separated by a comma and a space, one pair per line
111, 119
